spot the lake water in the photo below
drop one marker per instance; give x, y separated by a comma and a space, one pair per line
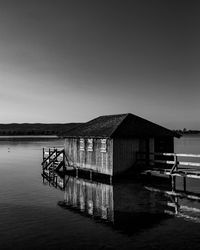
81, 214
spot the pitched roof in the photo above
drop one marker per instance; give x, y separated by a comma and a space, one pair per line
122, 125
102, 126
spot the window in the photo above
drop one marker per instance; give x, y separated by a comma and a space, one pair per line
103, 145
82, 144
90, 145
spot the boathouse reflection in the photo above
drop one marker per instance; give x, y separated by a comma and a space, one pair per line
126, 207
91, 198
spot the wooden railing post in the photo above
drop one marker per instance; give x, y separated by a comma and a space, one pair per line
176, 163
175, 166
49, 154
184, 183
173, 178
43, 158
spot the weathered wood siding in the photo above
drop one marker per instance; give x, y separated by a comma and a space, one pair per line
96, 160
151, 149
124, 153
164, 144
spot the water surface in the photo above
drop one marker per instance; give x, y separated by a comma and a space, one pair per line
83, 214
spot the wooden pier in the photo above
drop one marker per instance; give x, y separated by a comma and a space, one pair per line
170, 165
160, 163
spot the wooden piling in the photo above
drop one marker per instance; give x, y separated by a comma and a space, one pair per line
111, 179
43, 154
184, 183
173, 179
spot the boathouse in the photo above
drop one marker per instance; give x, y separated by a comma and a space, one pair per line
109, 144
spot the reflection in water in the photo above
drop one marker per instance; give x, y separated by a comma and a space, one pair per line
181, 204
29, 217
89, 197
92, 198
128, 207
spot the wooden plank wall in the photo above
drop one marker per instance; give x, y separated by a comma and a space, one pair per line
124, 151
163, 145
101, 162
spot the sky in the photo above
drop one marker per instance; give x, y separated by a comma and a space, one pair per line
71, 61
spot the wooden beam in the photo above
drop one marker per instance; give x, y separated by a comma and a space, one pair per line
171, 154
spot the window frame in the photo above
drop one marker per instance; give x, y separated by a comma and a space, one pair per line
82, 144
90, 144
103, 148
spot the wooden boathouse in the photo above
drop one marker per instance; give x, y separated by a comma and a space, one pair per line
109, 144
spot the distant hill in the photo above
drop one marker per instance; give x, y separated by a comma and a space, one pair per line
36, 128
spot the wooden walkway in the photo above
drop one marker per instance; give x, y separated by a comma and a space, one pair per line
162, 164
171, 164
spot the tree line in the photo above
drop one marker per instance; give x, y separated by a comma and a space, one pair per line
36, 128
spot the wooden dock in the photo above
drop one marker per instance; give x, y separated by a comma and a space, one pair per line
170, 165
160, 163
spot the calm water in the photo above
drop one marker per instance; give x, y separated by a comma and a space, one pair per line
80, 214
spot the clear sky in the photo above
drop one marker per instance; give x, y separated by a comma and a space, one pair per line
70, 61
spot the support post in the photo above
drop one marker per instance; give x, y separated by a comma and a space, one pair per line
176, 205
173, 182
56, 180
175, 166
147, 152
49, 153
176, 163
43, 154
184, 183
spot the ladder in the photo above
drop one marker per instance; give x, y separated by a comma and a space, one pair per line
53, 159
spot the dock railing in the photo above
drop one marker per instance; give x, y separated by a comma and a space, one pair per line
176, 165
53, 158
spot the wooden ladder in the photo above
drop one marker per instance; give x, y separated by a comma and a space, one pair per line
51, 162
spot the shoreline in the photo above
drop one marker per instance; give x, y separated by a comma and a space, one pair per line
29, 137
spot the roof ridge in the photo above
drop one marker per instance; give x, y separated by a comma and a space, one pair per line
113, 115
74, 128
126, 114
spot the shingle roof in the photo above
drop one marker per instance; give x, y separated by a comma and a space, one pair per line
122, 125
102, 126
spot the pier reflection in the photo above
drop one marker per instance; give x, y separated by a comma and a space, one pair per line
182, 201
125, 207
